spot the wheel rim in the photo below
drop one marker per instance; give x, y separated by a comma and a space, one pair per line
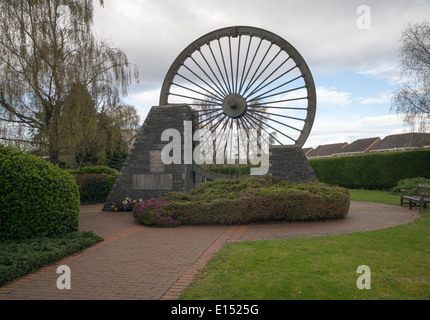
245, 78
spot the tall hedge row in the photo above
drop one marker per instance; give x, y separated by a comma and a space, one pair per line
36, 197
374, 170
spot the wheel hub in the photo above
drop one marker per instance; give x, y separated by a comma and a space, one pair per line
234, 105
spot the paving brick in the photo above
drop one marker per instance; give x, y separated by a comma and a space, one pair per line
136, 262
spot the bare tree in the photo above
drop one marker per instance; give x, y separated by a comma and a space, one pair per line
413, 98
47, 46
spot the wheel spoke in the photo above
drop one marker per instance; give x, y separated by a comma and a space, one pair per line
279, 101
219, 69
198, 65
271, 61
237, 63
225, 68
268, 77
231, 64
213, 73
240, 122
256, 122
281, 123
223, 130
250, 65
278, 115
216, 125
209, 119
273, 128
276, 88
259, 65
231, 141
250, 134
188, 97
192, 82
198, 92
244, 65
208, 111
199, 79
213, 128
277, 93
238, 146
285, 108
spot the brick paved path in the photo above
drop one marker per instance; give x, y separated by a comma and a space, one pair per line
137, 262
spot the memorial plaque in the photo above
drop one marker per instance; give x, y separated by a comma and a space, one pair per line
156, 165
152, 181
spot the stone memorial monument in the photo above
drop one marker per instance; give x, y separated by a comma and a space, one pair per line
228, 94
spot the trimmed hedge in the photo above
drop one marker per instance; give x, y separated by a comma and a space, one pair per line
94, 188
37, 198
372, 171
94, 169
256, 200
94, 182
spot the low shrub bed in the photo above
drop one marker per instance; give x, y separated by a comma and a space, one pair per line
20, 257
246, 201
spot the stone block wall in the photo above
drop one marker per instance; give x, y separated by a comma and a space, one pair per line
143, 175
290, 164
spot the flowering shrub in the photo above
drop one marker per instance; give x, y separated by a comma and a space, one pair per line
126, 205
151, 213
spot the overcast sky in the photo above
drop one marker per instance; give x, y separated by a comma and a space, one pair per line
355, 70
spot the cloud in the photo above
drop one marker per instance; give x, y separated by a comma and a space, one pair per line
380, 121
325, 97
384, 71
383, 98
143, 101
332, 97
153, 33
327, 131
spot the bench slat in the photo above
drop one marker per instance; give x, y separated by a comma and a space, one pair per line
421, 196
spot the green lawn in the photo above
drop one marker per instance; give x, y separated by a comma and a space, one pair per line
374, 196
323, 268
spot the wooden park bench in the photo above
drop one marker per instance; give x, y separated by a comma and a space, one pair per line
421, 196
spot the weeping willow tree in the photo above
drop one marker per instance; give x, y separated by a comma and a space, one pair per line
412, 100
46, 47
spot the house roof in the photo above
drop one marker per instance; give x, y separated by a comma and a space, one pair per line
360, 145
326, 150
307, 150
403, 141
